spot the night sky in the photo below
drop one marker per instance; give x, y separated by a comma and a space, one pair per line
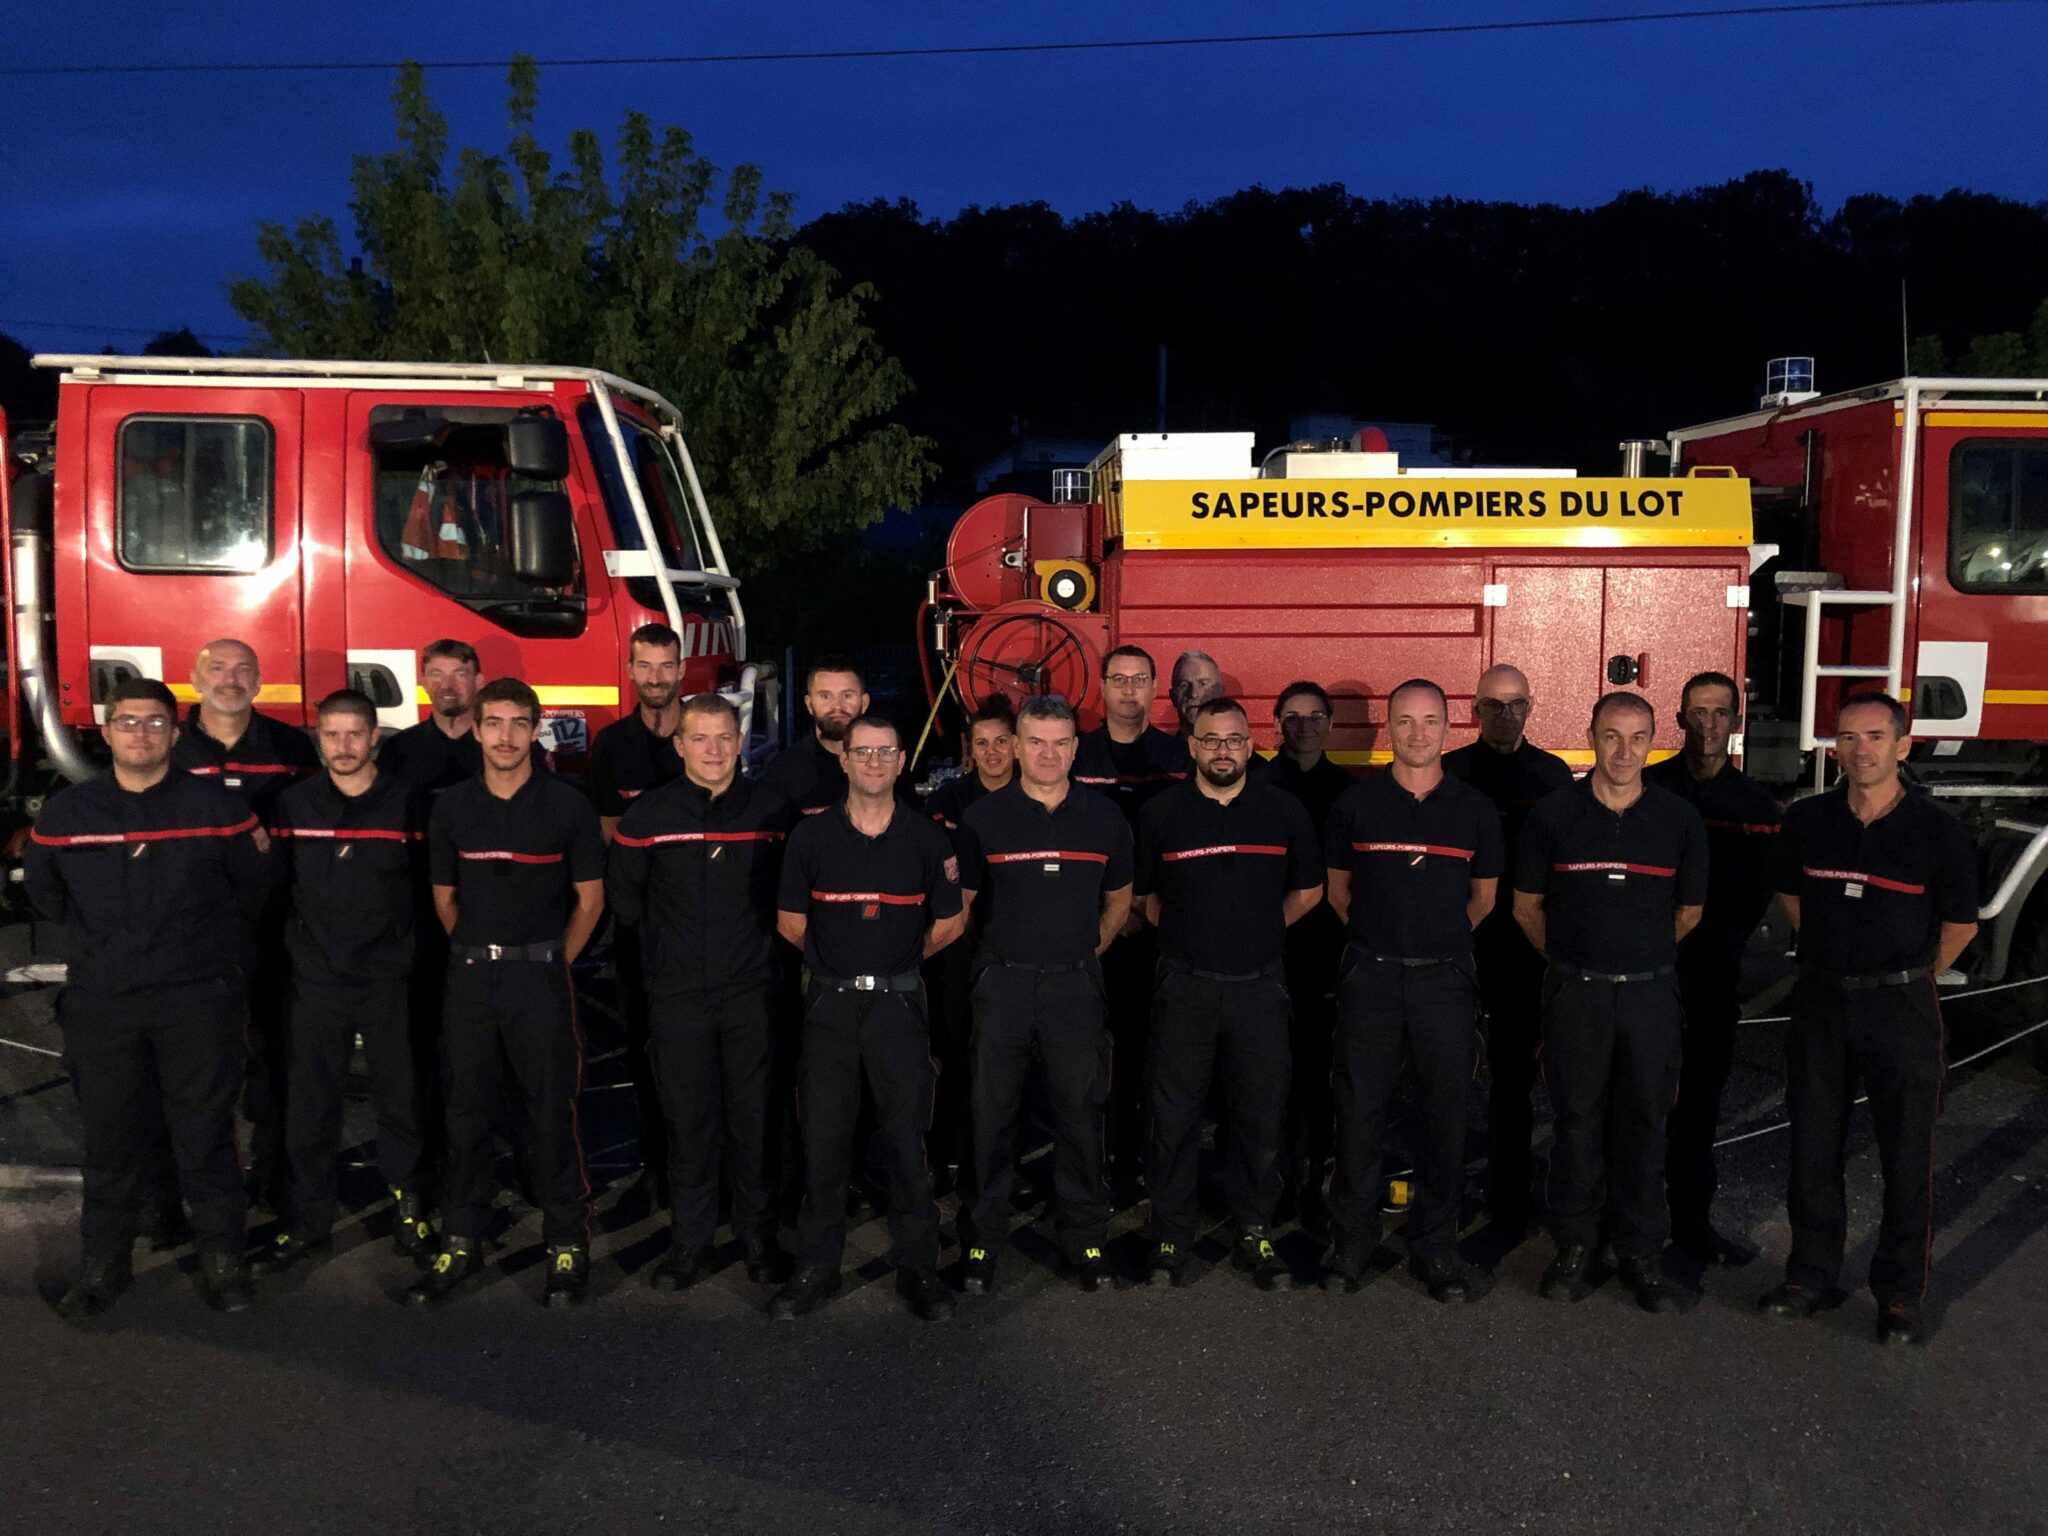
127, 202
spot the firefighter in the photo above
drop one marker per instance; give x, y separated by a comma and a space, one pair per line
351, 846
1049, 866
1224, 867
517, 862
637, 753
1882, 885
693, 869
1513, 773
155, 880
869, 889
1196, 680
809, 773
225, 738
1609, 876
1742, 820
1414, 857
991, 747
1304, 770
1130, 760
442, 750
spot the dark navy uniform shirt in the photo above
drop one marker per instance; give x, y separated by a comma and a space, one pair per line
152, 888
949, 802
1040, 873
353, 867
1873, 898
697, 875
1612, 882
1317, 788
1514, 782
513, 862
626, 761
1130, 773
1412, 863
868, 899
268, 760
1221, 870
1742, 819
428, 757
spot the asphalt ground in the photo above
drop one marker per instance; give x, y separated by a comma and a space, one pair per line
1217, 1407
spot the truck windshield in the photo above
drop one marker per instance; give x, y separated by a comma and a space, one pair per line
661, 487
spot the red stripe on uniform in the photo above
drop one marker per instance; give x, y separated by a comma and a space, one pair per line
1856, 874
509, 856
660, 838
1203, 853
96, 839
1766, 827
382, 834
863, 897
1588, 866
1128, 778
1043, 854
1449, 853
208, 768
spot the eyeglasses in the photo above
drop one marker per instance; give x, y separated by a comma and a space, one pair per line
875, 754
1516, 707
155, 725
1220, 743
1128, 679
1313, 717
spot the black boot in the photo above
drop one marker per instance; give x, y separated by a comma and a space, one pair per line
224, 1282
1344, 1271
978, 1271
1092, 1272
812, 1286
1168, 1266
1570, 1276
568, 1275
682, 1267
1253, 1253
286, 1252
412, 1235
1645, 1280
1788, 1302
766, 1263
99, 1283
927, 1294
458, 1260
1444, 1275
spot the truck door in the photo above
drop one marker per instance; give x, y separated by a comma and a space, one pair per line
1980, 665
1661, 624
428, 557
192, 534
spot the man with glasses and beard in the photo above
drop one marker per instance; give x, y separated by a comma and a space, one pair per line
1224, 867
1130, 760
634, 754
1504, 766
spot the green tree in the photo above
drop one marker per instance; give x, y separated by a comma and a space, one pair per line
1996, 355
673, 275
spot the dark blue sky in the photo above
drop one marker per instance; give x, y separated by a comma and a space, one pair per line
128, 201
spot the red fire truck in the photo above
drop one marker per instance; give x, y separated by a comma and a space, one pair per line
338, 516
1336, 562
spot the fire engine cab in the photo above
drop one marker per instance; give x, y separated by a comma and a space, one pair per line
338, 516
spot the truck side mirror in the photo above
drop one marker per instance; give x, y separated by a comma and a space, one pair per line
543, 539
537, 447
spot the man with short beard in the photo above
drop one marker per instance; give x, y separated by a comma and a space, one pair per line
442, 750
1224, 867
352, 845
225, 738
637, 753
809, 773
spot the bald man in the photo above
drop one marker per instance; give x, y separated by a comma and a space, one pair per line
1514, 775
225, 740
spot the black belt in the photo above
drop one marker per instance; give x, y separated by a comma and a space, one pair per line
1411, 961
1585, 975
1043, 968
909, 981
546, 954
1275, 969
1869, 980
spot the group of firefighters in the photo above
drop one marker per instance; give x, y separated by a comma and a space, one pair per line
1161, 926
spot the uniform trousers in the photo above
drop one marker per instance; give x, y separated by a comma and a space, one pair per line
1511, 992
635, 1011
1891, 1038
1055, 1016
715, 1060
1387, 1011
1707, 992
1130, 972
1610, 1063
324, 1020
880, 1038
1204, 1029
168, 1059
512, 1059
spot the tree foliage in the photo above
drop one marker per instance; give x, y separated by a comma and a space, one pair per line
661, 269
1995, 355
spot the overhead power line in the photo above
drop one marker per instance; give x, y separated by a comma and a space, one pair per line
984, 50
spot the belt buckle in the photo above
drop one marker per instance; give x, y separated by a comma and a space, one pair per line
864, 983
494, 951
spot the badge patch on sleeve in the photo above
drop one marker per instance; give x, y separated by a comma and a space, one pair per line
952, 871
